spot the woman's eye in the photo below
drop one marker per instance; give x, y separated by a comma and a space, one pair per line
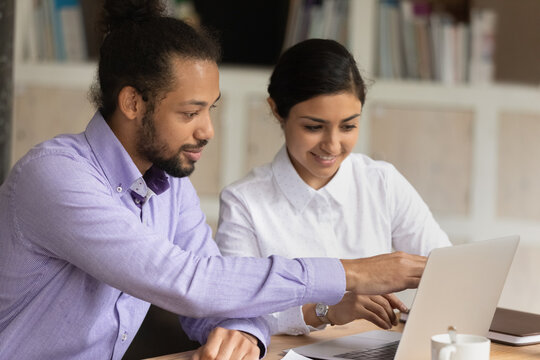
313, 127
349, 127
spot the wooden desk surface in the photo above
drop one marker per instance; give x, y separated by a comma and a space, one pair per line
280, 342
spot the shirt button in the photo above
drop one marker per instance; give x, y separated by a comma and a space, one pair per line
124, 336
119, 189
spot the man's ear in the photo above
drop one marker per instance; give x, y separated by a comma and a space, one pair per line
130, 102
273, 106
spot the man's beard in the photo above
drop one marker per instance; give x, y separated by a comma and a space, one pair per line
150, 147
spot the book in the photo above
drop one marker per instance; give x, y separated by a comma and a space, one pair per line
294, 22
324, 19
29, 49
44, 30
436, 21
483, 27
395, 39
72, 29
328, 19
421, 13
448, 50
389, 60
335, 20
410, 48
462, 53
316, 21
515, 327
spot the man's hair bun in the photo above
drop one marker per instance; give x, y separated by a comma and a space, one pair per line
119, 12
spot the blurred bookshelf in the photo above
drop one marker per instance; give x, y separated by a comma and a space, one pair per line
457, 42
356, 23
448, 41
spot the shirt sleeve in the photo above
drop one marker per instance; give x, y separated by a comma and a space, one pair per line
65, 209
236, 236
414, 230
199, 329
193, 234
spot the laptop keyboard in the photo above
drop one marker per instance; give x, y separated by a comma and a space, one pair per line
380, 353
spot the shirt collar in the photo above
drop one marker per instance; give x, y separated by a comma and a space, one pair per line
291, 184
156, 179
119, 168
338, 187
298, 192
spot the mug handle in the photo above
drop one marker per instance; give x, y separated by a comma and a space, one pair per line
446, 352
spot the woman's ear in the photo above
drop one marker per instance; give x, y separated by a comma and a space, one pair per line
273, 107
130, 102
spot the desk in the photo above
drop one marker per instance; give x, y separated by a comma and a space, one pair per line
280, 342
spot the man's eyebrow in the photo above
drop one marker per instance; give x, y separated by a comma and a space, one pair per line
325, 121
199, 102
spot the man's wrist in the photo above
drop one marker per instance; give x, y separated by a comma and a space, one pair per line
255, 341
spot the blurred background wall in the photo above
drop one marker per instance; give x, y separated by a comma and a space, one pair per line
453, 102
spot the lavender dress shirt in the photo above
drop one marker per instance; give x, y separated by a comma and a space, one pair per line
87, 242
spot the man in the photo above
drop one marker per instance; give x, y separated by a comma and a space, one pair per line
96, 226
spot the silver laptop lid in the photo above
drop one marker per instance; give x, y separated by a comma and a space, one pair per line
461, 286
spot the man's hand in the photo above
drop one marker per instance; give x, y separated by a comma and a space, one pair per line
384, 274
225, 344
378, 309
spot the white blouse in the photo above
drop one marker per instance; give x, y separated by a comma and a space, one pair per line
368, 208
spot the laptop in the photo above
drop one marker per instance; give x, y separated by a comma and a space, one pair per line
460, 287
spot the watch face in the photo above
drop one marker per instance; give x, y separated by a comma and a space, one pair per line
321, 309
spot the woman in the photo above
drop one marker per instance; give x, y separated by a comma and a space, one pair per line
318, 199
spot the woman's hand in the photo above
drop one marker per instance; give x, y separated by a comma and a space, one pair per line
378, 309
225, 344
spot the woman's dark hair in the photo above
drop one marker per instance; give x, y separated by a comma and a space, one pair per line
311, 68
137, 50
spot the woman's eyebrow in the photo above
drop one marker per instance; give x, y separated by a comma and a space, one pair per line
325, 121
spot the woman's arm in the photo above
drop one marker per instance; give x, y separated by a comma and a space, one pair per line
414, 230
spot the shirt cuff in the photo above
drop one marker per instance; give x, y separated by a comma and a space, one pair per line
254, 326
326, 280
289, 322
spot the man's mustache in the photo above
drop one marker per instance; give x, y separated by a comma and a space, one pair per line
191, 147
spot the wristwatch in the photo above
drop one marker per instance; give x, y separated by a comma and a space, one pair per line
321, 310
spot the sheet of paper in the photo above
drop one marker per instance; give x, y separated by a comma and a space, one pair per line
291, 355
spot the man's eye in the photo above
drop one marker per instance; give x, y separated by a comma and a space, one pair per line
191, 115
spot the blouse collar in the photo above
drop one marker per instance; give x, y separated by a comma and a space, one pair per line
298, 192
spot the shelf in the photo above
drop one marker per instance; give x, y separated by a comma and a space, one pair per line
81, 75
416, 92
244, 80
54, 74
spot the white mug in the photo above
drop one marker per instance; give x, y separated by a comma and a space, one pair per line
466, 347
